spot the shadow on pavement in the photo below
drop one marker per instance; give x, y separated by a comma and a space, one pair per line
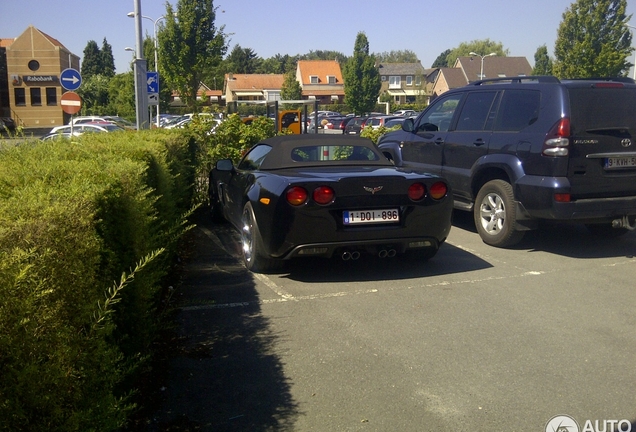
221, 373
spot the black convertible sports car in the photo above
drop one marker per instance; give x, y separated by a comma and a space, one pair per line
319, 195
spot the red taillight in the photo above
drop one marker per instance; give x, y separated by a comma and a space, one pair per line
417, 191
323, 195
557, 141
438, 190
562, 197
296, 196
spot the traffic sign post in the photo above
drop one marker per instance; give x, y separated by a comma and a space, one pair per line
70, 79
152, 80
71, 102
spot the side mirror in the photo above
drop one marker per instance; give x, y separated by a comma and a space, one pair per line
408, 125
224, 165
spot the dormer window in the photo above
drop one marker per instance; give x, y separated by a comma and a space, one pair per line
331, 79
313, 79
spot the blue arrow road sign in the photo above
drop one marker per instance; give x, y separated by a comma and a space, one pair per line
152, 79
70, 79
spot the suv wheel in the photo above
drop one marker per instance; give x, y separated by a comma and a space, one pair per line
495, 214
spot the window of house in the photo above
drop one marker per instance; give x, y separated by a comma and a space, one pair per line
51, 96
36, 96
331, 79
383, 78
20, 96
273, 96
418, 80
394, 82
313, 79
409, 80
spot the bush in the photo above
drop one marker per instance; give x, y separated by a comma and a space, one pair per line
87, 232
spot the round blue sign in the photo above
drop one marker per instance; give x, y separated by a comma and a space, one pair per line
70, 79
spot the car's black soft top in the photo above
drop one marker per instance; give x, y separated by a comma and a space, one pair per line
285, 147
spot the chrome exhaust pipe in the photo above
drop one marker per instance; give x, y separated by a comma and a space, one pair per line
382, 253
355, 255
346, 256
391, 253
623, 223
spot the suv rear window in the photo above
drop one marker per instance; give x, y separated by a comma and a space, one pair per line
602, 108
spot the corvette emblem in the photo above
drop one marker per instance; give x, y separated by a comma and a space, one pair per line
372, 190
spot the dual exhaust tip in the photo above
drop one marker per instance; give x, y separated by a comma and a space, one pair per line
354, 255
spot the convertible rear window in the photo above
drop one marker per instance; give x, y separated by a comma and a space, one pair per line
333, 153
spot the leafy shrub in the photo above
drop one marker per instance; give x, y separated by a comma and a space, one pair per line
75, 218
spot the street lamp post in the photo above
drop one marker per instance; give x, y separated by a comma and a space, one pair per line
141, 90
132, 15
481, 75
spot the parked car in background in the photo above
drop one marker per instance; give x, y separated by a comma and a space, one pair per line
520, 150
95, 126
7, 125
337, 123
394, 122
355, 125
404, 113
377, 121
296, 196
59, 135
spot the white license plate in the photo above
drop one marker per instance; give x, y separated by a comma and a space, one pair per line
620, 162
370, 216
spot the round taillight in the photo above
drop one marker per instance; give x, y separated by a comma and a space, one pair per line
438, 190
417, 191
297, 196
323, 195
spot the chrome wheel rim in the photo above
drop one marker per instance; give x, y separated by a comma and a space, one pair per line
492, 214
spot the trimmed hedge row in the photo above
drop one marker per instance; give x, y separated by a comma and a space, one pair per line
88, 231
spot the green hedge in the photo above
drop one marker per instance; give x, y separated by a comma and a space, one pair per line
88, 231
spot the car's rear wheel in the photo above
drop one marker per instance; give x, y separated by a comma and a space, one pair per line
495, 214
254, 256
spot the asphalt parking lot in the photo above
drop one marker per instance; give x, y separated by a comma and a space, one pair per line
477, 339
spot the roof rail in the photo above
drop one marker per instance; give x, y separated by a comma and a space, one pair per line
615, 79
518, 79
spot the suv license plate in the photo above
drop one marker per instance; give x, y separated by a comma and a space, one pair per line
370, 216
620, 162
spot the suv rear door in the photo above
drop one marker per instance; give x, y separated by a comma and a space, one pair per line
603, 140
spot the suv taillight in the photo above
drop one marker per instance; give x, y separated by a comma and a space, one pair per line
557, 141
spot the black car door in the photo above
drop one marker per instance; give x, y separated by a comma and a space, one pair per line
423, 148
468, 139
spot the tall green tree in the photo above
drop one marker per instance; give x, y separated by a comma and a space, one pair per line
243, 60
92, 60
361, 77
441, 60
291, 89
542, 62
593, 40
107, 59
400, 56
325, 55
481, 47
190, 44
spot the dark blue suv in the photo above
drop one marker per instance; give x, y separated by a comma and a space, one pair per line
519, 150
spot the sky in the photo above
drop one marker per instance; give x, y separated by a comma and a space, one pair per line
271, 27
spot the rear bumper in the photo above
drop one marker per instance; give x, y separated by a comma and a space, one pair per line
535, 197
386, 247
